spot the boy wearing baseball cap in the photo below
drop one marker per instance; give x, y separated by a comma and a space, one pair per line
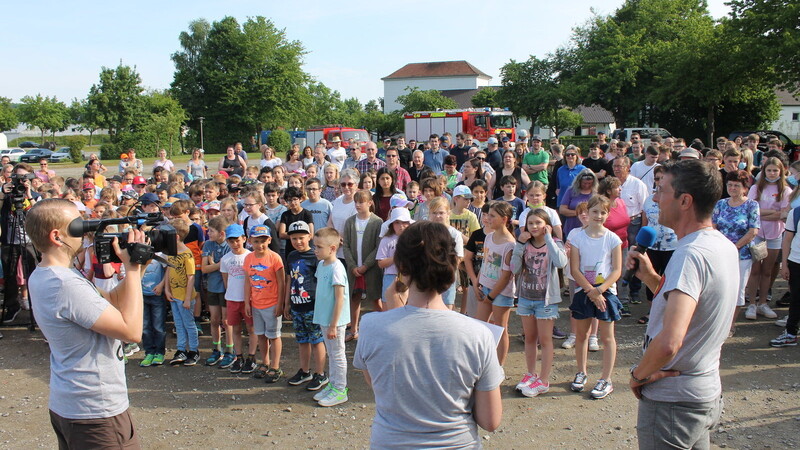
233, 275
264, 292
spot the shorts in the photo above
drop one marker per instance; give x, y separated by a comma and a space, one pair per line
109, 432
235, 314
305, 330
772, 244
388, 279
360, 284
501, 300
265, 323
537, 308
216, 299
583, 308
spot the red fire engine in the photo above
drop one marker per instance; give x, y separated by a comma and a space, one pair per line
481, 123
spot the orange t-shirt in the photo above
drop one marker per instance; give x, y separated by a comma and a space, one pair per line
262, 274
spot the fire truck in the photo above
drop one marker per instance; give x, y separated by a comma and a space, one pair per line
327, 132
481, 123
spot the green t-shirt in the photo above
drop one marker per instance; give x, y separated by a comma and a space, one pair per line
533, 159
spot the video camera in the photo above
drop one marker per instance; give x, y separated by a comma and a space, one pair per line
162, 237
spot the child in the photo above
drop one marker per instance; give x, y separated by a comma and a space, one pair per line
211, 191
302, 283
227, 208
213, 251
194, 241
478, 189
155, 315
253, 204
595, 264
294, 213
319, 208
412, 192
332, 312
231, 266
509, 186
496, 280
179, 289
264, 291
439, 211
273, 208
383, 192
399, 220
536, 193
582, 212
462, 219
365, 182
535, 261
361, 239
430, 190
473, 258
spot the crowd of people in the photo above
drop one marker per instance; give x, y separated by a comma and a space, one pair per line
331, 228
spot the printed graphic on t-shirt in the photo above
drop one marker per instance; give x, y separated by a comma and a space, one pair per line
299, 295
533, 283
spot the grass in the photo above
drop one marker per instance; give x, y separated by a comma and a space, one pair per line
179, 160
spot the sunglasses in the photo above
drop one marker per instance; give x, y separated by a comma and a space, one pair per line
570, 154
480, 158
347, 184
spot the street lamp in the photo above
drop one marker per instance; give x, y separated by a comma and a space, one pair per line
201, 131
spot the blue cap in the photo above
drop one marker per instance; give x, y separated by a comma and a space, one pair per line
148, 198
234, 231
181, 196
259, 231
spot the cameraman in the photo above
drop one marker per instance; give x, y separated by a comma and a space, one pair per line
14, 243
88, 393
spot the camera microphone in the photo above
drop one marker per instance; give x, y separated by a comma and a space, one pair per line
644, 239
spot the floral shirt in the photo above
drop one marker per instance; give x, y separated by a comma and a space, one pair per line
666, 240
734, 222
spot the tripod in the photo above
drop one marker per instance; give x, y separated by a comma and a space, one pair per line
22, 253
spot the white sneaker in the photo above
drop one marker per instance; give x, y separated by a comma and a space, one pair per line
594, 346
527, 379
750, 313
323, 393
334, 397
764, 310
535, 388
782, 322
569, 342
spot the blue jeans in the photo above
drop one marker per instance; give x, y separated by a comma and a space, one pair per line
185, 326
155, 319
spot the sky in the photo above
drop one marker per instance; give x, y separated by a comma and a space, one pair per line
59, 47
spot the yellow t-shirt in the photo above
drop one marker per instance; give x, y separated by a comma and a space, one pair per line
465, 223
179, 276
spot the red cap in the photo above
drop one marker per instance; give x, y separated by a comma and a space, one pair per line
139, 180
223, 173
87, 186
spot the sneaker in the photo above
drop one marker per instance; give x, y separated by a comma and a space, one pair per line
784, 340
535, 388
602, 389
782, 322
273, 375
334, 397
179, 358
323, 393
527, 379
625, 311
249, 366
764, 310
147, 361
569, 343
318, 380
236, 367
786, 300
192, 359
227, 360
158, 359
750, 313
558, 334
130, 349
594, 346
11, 314
299, 378
579, 382
635, 300
215, 358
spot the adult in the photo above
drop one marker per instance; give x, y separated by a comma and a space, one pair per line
129, 160
570, 169
387, 142
197, 166
344, 206
509, 168
601, 141
356, 155
162, 161
678, 374
417, 165
308, 156
634, 193
268, 157
294, 160
371, 162
595, 161
337, 154
738, 219
493, 156
643, 169
535, 162
472, 171
44, 173
426, 337
404, 152
618, 219
94, 171
231, 163
434, 157
583, 187
239, 151
320, 158
730, 160
461, 149
92, 157
402, 178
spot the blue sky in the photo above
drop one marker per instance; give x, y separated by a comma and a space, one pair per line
58, 47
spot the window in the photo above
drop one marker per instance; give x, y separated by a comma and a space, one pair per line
480, 121
795, 117
502, 121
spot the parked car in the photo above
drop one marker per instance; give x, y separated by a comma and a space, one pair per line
29, 144
13, 153
791, 148
35, 155
624, 134
61, 155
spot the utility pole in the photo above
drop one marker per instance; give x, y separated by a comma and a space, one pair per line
201, 131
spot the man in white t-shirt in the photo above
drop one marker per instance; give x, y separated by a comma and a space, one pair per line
336, 153
678, 376
644, 169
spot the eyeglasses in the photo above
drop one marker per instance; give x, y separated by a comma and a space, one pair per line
570, 154
312, 189
347, 184
391, 156
247, 205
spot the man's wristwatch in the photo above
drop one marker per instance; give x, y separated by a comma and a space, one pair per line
643, 380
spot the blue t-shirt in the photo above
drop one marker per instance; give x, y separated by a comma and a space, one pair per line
217, 251
517, 206
320, 211
301, 268
328, 276
153, 274
564, 177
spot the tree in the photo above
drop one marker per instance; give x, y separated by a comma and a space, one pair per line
560, 120
164, 117
529, 88
280, 140
8, 117
117, 99
84, 114
45, 113
429, 100
186, 84
486, 97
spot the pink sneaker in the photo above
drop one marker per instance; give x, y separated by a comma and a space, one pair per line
535, 388
527, 379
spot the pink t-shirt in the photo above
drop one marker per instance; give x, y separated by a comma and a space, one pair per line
494, 262
618, 220
770, 229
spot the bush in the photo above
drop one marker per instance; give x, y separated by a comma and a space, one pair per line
280, 140
109, 151
76, 144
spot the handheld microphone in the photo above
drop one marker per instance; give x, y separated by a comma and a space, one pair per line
644, 240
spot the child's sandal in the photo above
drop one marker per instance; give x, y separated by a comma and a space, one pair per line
261, 371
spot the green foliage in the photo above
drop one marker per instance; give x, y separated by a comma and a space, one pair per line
560, 120
384, 124
110, 151
486, 97
76, 144
529, 88
8, 117
45, 113
280, 140
116, 100
84, 115
163, 119
429, 100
